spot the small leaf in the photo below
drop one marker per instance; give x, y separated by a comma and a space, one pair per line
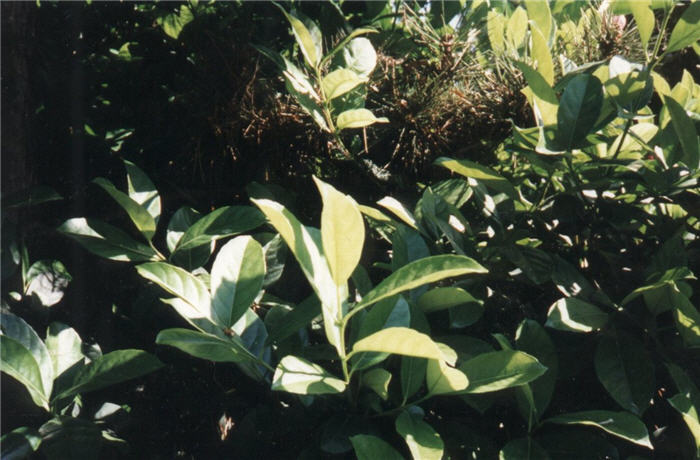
442, 298
173, 23
523, 449
687, 29
106, 241
224, 222
204, 346
532, 338
400, 341
497, 370
297, 375
368, 447
620, 424
236, 278
423, 441
575, 315
378, 381
358, 118
142, 190
339, 82
579, 107
183, 219
516, 31
487, 176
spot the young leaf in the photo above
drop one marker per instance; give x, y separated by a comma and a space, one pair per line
488, 176
142, 190
360, 57
236, 278
221, 223
626, 371
420, 272
575, 315
538, 11
106, 241
540, 51
687, 29
684, 128
183, 219
306, 42
144, 222
368, 447
523, 449
399, 341
497, 370
579, 108
495, 27
204, 346
620, 424
423, 441
644, 17
297, 375
339, 82
342, 232
358, 118
516, 31
342, 46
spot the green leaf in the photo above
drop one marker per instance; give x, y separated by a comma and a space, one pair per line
183, 219
644, 17
544, 98
420, 272
221, 223
523, 449
630, 87
440, 378
47, 280
391, 312
406, 246
442, 298
304, 39
19, 443
65, 347
204, 346
180, 283
26, 358
533, 339
495, 27
339, 82
620, 424
626, 371
142, 190
342, 232
378, 381
106, 241
687, 318
368, 447
236, 278
575, 315
483, 174
360, 57
684, 128
399, 210
516, 31
579, 108
497, 370
540, 51
110, 369
358, 118
683, 404
413, 372
538, 11
399, 341
298, 318
687, 29
173, 23
343, 43
297, 375
422, 440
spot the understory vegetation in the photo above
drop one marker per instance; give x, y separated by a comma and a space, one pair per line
373, 230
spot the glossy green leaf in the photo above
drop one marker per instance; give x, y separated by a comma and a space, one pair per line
298, 318
64, 346
575, 315
342, 232
689, 412
532, 338
110, 369
339, 82
183, 219
391, 312
544, 97
407, 245
399, 341
236, 278
420, 272
399, 211
440, 378
106, 241
578, 112
523, 449
297, 375
142, 190
378, 381
540, 51
626, 371
204, 346
368, 447
538, 11
687, 29
304, 39
360, 57
221, 223
644, 17
143, 221
180, 283
422, 440
620, 424
413, 372
358, 118
442, 298
686, 316
684, 128
19, 443
498, 370
46, 281
483, 174
630, 88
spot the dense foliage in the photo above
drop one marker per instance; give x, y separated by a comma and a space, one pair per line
500, 264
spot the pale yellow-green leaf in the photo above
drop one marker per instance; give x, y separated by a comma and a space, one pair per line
357, 118
399, 210
495, 26
304, 39
339, 82
440, 378
538, 11
297, 375
541, 54
400, 341
516, 30
644, 17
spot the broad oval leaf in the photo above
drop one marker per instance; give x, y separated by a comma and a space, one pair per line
422, 440
644, 17
358, 118
579, 108
399, 341
626, 371
236, 278
687, 29
378, 381
483, 174
575, 315
339, 82
144, 222
620, 424
342, 232
495, 28
106, 241
64, 345
297, 375
516, 30
142, 190
368, 447
498, 370
442, 298
221, 223
204, 346
183, 219
440, 378
360, 57
420, 272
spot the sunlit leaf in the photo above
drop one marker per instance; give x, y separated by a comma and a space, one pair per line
297, 375
497, 370
106, 241
620, 424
